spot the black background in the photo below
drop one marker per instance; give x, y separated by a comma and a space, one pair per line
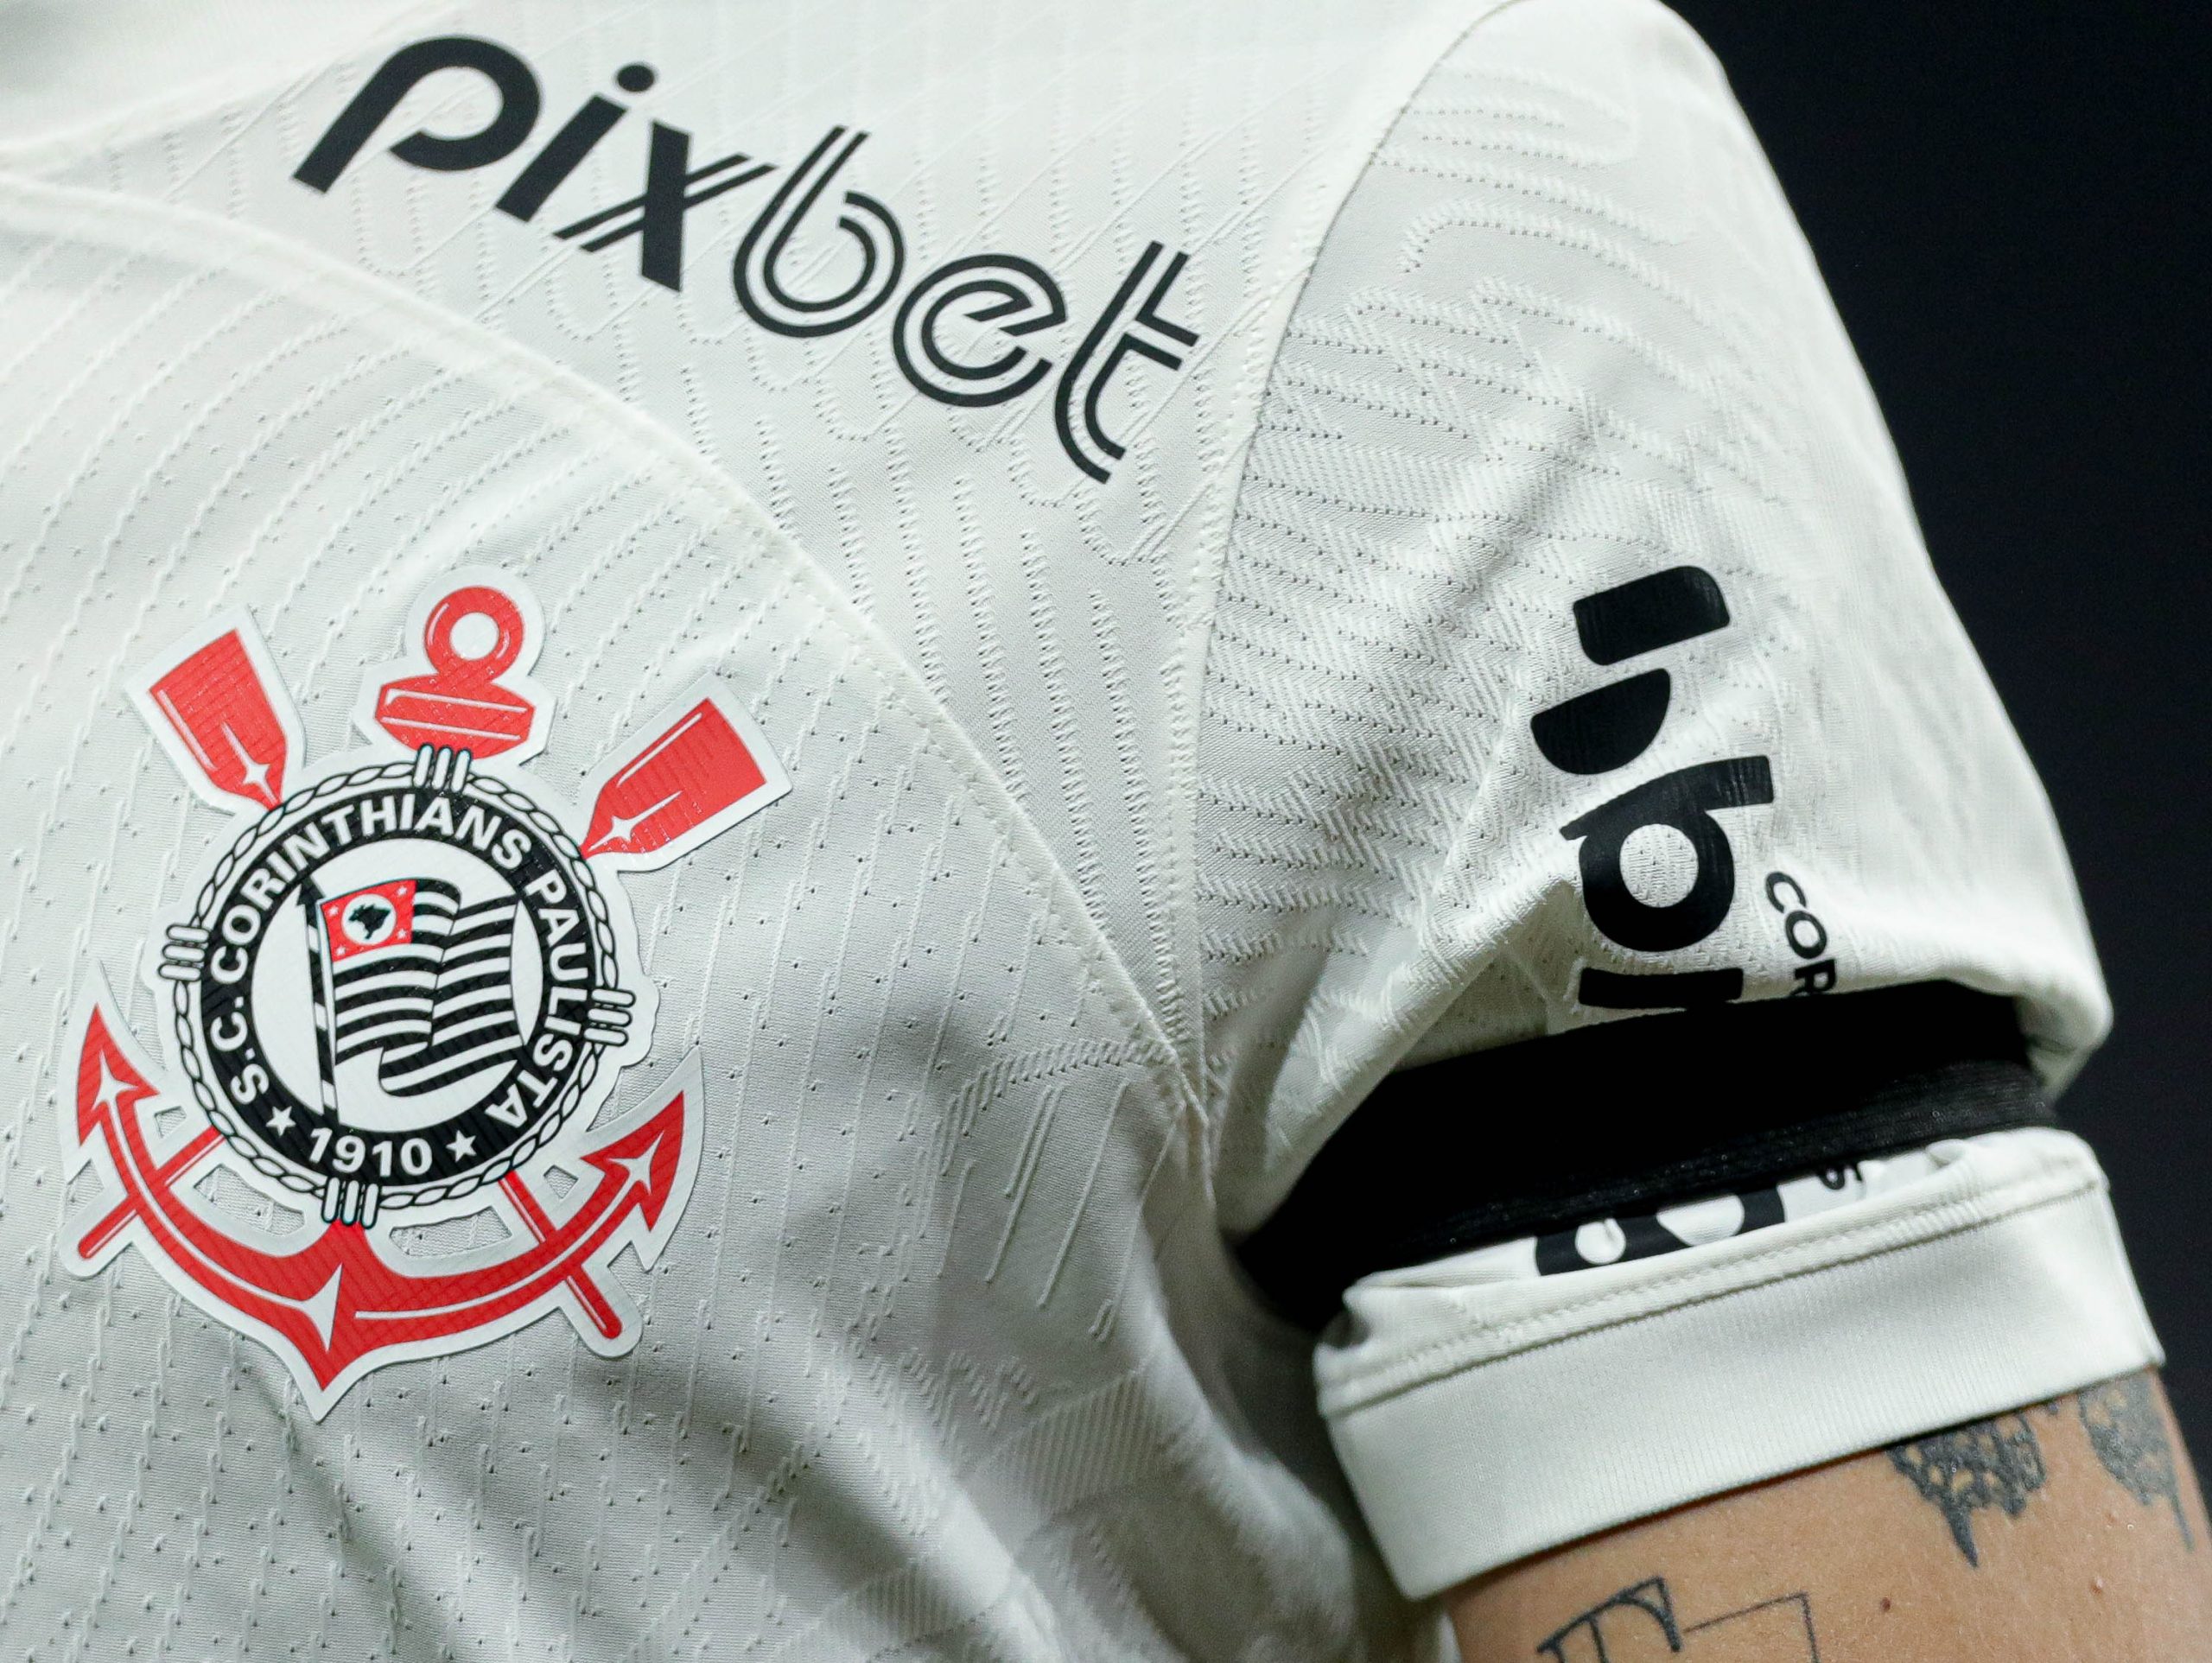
2007, 201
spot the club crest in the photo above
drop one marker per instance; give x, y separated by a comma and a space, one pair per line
398, 1003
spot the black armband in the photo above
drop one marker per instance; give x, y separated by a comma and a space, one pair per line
1632, 1115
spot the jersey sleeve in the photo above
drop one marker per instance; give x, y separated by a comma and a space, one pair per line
1602, 812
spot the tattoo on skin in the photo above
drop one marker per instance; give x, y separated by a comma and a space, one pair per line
1642, 1621
2129, 1435
1990, 1464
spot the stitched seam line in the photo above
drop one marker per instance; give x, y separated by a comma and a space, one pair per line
1294, 1156
1198, 650
1442, 1349
684, 470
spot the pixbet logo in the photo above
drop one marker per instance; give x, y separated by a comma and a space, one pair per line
1609, 728
935, 326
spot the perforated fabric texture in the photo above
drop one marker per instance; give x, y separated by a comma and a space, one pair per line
1566, 336
914, 1372
1145, 802
1060, 624
1567, 487
944, 1355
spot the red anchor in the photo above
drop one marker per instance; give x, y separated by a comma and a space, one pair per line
337, 1304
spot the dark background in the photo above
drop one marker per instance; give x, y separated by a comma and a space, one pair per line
2008, 203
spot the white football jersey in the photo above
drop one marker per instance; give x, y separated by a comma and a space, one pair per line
732, 729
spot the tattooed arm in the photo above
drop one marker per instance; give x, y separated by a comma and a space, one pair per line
2070, 1529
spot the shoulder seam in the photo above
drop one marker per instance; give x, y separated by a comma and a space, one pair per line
1205, 607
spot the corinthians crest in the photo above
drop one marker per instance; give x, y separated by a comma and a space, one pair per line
397, 1003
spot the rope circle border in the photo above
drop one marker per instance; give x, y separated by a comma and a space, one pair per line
299, 806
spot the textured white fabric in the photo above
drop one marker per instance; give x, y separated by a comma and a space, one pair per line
1136, 824
71, 67
1059, 624
1605, 1396
915, 1371
1566, 334
945, 1356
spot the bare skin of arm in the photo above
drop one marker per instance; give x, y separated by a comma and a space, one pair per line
2069, 1530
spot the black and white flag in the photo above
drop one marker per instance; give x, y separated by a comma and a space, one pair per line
423, 980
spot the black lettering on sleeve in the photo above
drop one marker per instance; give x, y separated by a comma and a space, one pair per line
1605, 728
1685, 800
1659, 611
500, 136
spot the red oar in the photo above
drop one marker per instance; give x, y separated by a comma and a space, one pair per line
702, 767
219, 710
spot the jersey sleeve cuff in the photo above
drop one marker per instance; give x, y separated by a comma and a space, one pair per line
1481, 1422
